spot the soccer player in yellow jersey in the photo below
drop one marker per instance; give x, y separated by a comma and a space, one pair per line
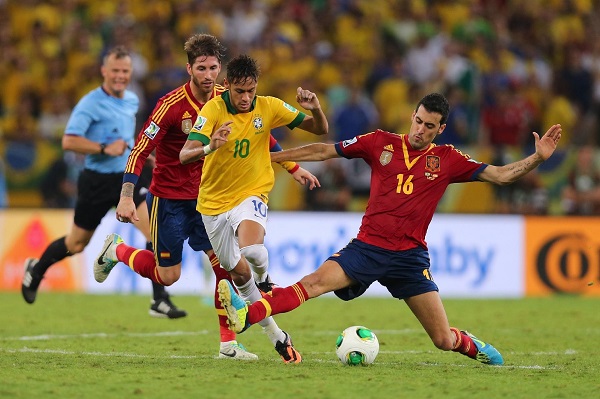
237, 176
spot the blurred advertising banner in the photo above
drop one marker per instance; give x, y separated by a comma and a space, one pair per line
27, 233
471, 256
562, 255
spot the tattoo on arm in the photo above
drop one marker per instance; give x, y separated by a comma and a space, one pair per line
127, 190
521, 168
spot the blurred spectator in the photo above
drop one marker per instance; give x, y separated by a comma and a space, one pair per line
54, 117
579, 86
335, 193
3, 189
357, 115
22, 123
58, 186
504, 119
457, 125
581, 196
528, 196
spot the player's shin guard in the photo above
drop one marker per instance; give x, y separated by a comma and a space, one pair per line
258, 258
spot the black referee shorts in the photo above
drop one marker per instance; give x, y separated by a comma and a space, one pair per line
97, 193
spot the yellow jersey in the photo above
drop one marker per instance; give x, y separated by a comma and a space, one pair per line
241, 167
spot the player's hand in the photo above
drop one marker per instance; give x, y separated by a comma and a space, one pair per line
126, 210
219, 137
546, 145
116, 148
304, 177
307, 99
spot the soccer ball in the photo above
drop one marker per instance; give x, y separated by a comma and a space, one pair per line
357, 345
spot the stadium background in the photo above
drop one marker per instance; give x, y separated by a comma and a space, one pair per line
508, 67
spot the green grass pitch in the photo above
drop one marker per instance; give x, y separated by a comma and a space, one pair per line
106, 346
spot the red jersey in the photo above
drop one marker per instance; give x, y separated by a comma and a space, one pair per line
406, 186
166, 130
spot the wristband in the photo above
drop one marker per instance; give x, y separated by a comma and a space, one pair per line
207, 149
102, 147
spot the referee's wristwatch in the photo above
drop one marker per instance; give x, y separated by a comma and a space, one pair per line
102, 147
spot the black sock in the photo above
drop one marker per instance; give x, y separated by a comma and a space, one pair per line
55, 252
159, 291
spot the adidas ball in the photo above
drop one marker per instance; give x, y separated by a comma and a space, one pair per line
357, 345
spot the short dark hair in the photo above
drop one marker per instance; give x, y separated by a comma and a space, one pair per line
119, 52
435, 102
242, 68
202, 44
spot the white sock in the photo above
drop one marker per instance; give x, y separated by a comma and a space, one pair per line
272, 330
249, 292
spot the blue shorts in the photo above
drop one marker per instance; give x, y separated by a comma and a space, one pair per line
171, 223
404, 273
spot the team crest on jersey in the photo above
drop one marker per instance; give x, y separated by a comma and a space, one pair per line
288, 106
151, 130
432, 163
257, 122
200, 122
186, 126
432, 166
385, 158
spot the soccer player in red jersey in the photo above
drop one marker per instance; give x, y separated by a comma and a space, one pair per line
174, 189
409, 176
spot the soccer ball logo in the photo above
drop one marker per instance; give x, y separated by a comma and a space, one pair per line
357, 345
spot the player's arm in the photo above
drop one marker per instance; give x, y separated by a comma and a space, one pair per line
290, 166
82, 145
507, 174
317, 123
194, 148
309, 152
299, 174
149, 137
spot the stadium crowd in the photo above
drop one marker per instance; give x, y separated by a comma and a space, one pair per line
508, 68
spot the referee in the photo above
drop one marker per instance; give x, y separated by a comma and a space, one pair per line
101, 126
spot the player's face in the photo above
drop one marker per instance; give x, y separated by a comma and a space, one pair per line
117, 75
424, 127
242, 94
204, 73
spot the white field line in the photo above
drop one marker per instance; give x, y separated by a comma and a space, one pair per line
49, 337
308, 360
330, 356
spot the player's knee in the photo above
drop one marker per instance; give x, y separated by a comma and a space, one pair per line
444, 342
256, 254
169, 276
77, 247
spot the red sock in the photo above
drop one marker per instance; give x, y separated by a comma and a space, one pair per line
278, 300
464, 344
140, 261
221, 274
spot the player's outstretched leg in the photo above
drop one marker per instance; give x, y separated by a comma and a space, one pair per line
107, 259
235, 307
486, 353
